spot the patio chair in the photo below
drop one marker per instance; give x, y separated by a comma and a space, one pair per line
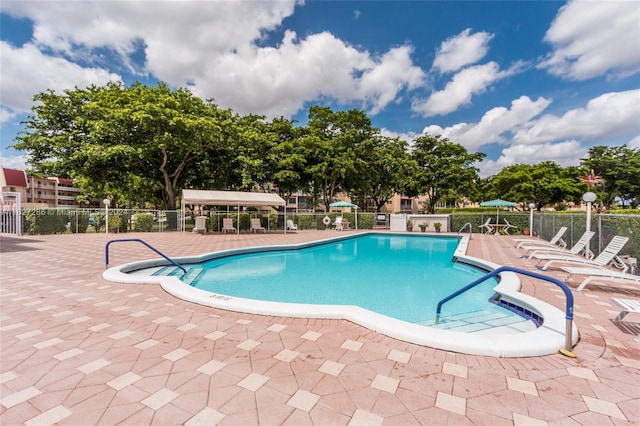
556, 240
256, 226
201, 225
337, 224
291, 226
608, 255
227, 225
599, 274
579, 246
487, 225
509, 226
628, 306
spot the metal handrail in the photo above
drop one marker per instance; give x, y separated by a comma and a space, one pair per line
464, 226
567, 292
106, 252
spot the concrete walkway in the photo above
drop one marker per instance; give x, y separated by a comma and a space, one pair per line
77, 350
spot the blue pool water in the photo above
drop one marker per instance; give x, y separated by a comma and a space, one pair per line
400, 276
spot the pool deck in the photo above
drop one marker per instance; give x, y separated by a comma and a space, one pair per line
78, 350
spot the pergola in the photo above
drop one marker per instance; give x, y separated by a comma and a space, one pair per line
230, 198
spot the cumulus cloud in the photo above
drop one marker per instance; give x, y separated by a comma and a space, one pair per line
566, 153
14, 162
594, 38
218, 49
495, 126
635, 142
463, 86
42, 72
609, 115
461, 50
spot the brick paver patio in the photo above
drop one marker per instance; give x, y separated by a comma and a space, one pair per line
78, 350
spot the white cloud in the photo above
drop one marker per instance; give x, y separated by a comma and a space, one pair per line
26, 72
14, 162
459, 91
635, 142
216, 49
567, 153
494, 126
461, 50
609, 115
594, 38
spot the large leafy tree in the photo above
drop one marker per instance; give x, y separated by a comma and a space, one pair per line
619, 166
382, 168
544, 183
118, 140
442, 166
329, 147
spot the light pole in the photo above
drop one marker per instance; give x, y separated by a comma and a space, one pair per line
589, 197
106, 202
531, 207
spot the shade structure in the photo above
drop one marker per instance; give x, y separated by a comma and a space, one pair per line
230, 198
340, 204
498, 203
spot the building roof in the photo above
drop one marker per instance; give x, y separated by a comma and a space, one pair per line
15, 177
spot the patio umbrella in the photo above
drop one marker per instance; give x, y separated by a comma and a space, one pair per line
498, 203
340, 204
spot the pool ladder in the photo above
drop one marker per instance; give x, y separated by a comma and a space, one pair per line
567, 292
464, 226
106, 252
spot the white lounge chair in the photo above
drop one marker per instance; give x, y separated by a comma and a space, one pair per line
555, 241
201, 225
580, 245
227, 225
256, 226
509, 226
487, 225
599, 274
607, 256
628, 306
291, 226
337, 224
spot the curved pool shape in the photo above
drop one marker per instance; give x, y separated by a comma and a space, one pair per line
546, 339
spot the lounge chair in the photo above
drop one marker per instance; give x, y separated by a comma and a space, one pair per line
201, 225
487, 225
345, 224
579, 246
509, 226
608, 255
256, 226
291, 226
227, 225
555, 241
599, 274
628, 306
337, 224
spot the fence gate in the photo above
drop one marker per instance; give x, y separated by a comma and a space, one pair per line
11, 214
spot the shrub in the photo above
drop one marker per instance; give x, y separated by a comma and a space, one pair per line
143, 222
98, 221
46, 221
79, 222
115, 223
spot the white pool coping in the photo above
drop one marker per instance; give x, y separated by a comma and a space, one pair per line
544, 340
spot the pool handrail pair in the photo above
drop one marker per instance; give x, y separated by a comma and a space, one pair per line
106, 252
567, 292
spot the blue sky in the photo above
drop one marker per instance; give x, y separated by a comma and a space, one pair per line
521, 81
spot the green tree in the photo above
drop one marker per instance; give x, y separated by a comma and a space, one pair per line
382, 167
442, 166
107, 136
544, 183
620, 168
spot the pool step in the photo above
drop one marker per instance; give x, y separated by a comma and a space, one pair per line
193, 273
482, 322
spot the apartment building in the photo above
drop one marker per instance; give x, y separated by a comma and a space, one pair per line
37, 191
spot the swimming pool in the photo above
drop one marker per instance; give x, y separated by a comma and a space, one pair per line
545, 339
401, 276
